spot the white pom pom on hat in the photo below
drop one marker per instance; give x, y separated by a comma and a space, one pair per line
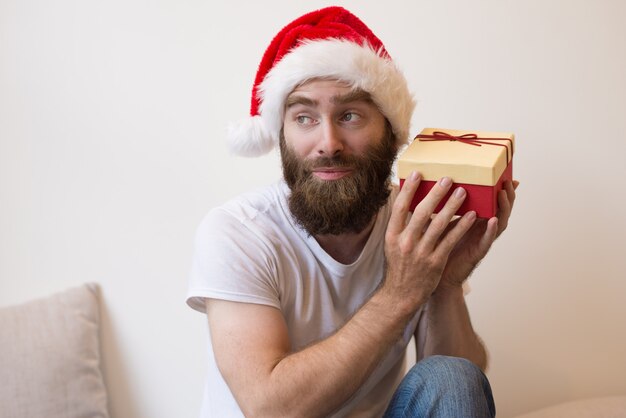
327, 43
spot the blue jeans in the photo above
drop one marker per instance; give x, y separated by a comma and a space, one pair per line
441, 386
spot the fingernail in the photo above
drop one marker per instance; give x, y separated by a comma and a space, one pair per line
459, 192
415, 176
471, 215
445, 182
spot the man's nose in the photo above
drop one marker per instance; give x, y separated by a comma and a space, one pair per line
331, 142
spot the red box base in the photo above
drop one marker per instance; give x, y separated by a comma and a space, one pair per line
482, 199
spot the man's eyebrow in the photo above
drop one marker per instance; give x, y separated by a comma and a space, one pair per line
356, 95
295, 99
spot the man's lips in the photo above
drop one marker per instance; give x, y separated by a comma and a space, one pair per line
331, 173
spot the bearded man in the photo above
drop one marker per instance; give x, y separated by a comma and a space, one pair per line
314, 286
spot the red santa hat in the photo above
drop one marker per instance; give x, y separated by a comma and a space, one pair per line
327, 43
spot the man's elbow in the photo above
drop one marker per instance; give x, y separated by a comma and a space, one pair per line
483, 363
481, 357
266, 403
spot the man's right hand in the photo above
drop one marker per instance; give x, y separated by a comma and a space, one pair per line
417, 250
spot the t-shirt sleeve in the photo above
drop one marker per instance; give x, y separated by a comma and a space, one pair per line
233, 261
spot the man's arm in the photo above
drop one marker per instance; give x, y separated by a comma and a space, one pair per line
445, 327
251, 342
253, 353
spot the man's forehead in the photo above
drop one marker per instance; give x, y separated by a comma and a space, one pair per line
306, 94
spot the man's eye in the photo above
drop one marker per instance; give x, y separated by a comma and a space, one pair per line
304, 120
350, 117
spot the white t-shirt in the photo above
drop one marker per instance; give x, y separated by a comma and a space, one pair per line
251, 250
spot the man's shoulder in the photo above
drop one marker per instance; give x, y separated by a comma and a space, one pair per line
251, 225
257, 206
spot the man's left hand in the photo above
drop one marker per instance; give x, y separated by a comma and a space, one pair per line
475, 244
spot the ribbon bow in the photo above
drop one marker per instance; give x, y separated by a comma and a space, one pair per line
469, 139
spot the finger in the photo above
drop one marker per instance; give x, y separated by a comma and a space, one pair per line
504, 211
510, 191
491, 232
424, 210
515, 184
455, 234
401, 206
451, 225
441, 221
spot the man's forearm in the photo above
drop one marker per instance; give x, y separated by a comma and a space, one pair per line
320, 378
448, 329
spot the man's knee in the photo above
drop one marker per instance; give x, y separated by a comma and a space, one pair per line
444, 386
448, 373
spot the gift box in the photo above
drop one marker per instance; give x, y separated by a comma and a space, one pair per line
478, 161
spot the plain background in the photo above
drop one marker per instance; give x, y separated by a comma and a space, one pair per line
112, 148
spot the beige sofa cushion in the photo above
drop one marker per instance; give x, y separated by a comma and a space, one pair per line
50, 357
604, 407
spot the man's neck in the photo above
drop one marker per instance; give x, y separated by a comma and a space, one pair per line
347, 247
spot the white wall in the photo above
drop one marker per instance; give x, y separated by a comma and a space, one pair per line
112, 118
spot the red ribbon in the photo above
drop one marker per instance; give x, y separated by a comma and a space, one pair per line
470, 139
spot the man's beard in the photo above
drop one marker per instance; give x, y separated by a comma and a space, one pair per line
344, 205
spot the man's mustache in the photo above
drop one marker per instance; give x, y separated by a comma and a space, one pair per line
337, 161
